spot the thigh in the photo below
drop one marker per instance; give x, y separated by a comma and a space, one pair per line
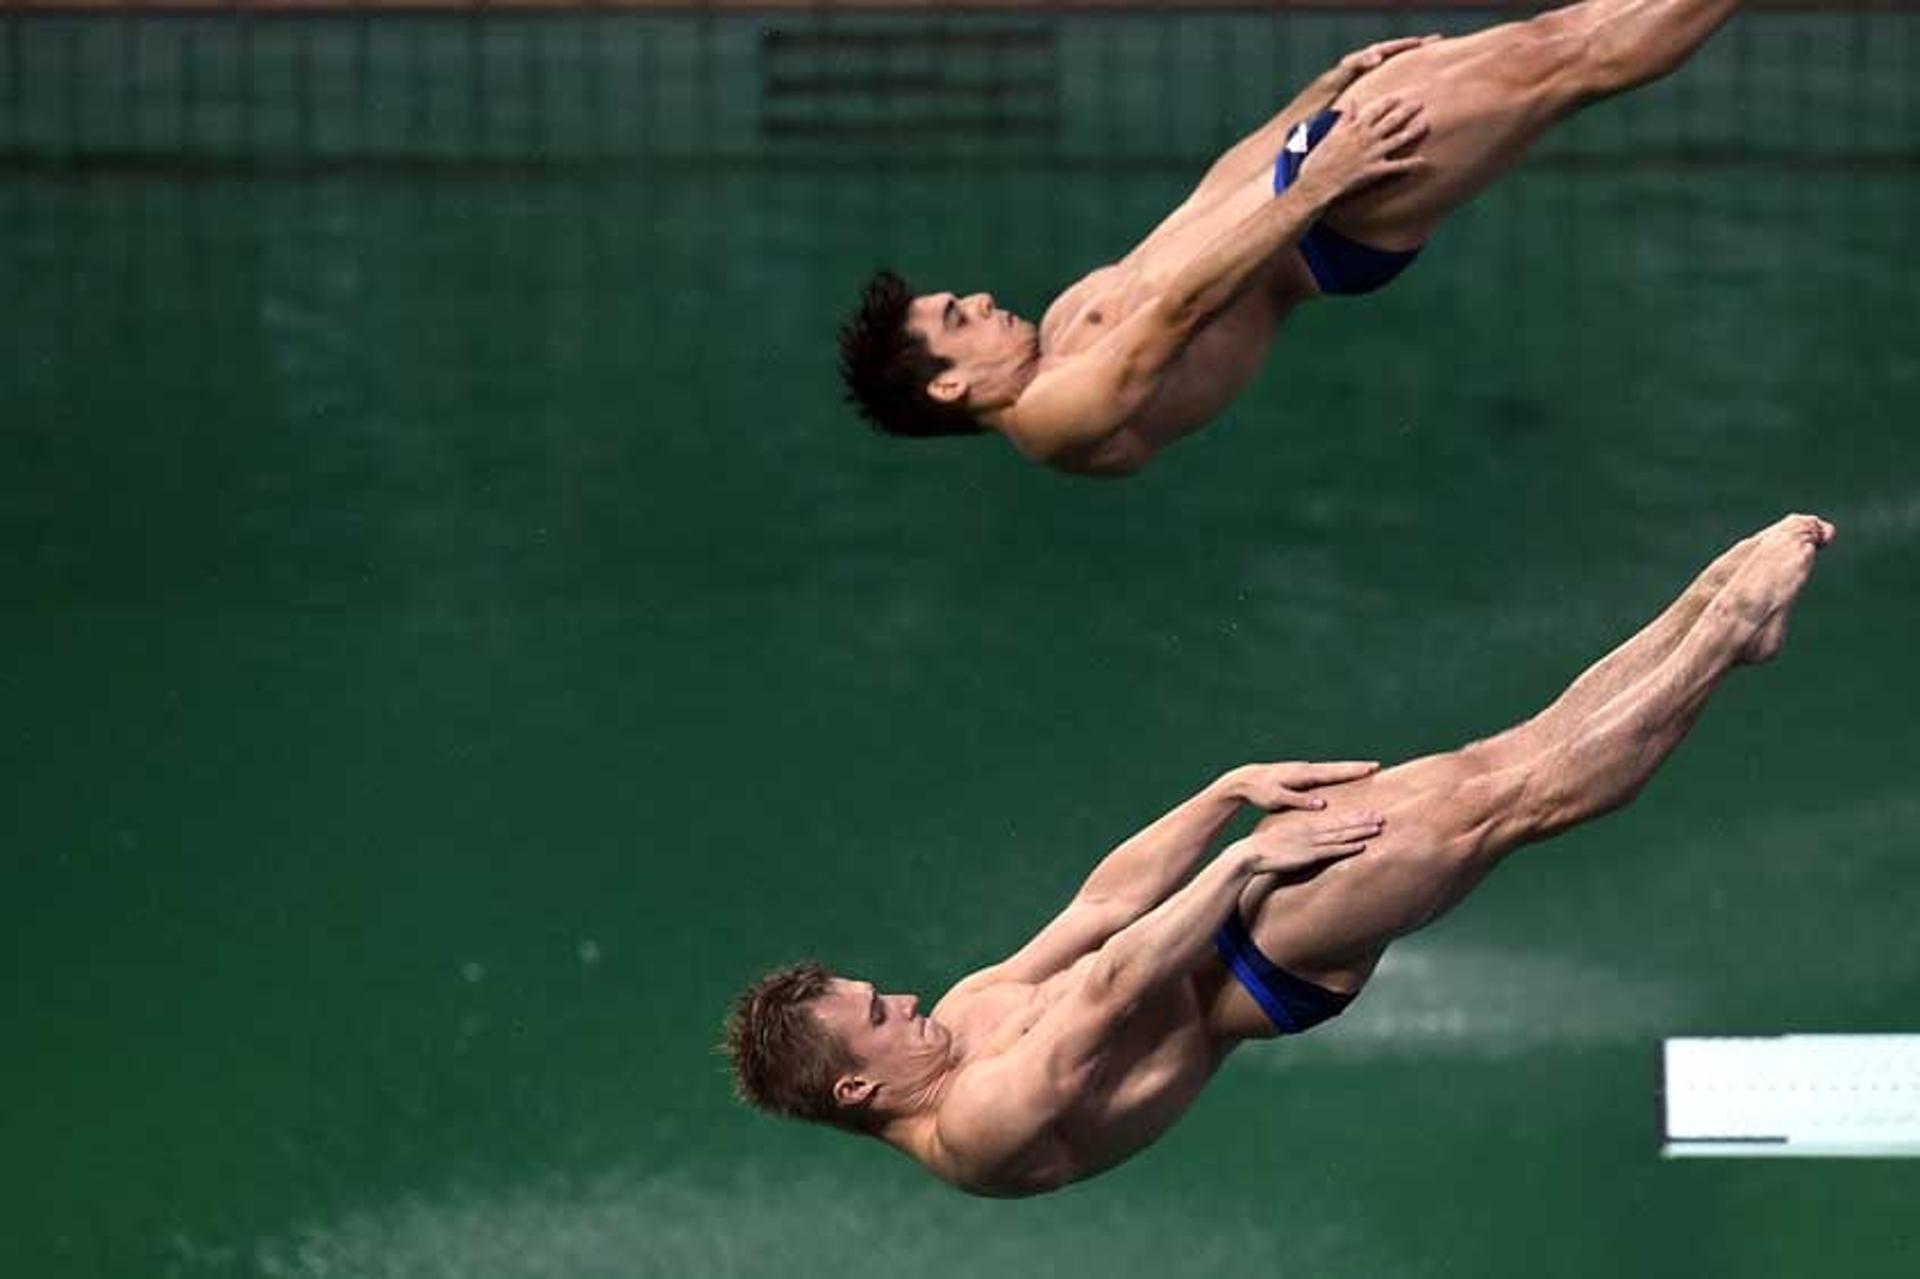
1444, 818
1487, 97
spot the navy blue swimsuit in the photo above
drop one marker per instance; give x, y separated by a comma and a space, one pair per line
1339, 265
1292, 1004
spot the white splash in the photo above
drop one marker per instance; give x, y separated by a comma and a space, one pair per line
1481, 1001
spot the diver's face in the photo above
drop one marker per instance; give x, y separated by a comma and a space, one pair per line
971, 332
888, 1034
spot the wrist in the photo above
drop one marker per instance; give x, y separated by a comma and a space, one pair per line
1230, 787
1313, 191
1242, 858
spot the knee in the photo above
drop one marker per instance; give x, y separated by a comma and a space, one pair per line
1502, 750
1564, 794
1563, 56
1484, 802
1563, 50
1604, 55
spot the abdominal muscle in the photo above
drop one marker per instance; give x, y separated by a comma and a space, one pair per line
1147, 1078
1216, 366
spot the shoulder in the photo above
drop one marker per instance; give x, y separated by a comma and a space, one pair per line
1074, 415
995, 1131
964, 996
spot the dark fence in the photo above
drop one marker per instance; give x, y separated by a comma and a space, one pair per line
292, 85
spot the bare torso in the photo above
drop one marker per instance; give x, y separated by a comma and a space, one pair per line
1150, 1072
1330, 927
1220, 360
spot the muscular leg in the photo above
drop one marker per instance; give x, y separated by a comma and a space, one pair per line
1451, 818
1489, 95
1626, 664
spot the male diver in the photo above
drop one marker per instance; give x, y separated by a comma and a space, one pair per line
1327, 197
1096, 1035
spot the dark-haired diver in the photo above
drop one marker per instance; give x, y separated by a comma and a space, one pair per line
1092, 1039
1150, 348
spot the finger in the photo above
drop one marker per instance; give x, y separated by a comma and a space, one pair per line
1357, 821
1297, 860
1344, 770
1376, 110
1388, 130
1392, 167
1342, 832
1350, 821
1286, 798
1343, 820
1406, 117
1405, 139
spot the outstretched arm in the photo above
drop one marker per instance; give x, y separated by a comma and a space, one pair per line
1009, 1104
1071, 409
1144, 870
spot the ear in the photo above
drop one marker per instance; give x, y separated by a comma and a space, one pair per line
948, 388
853, 1090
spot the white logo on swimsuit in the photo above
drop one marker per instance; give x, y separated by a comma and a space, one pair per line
1297, 140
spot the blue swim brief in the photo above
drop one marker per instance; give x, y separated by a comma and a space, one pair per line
1293, 1004
1339, 265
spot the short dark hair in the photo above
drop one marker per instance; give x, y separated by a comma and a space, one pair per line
784, 1060
887, 367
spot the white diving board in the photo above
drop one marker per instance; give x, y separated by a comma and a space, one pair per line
1793, 1096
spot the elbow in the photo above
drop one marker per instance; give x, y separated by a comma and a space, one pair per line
1063, 444
1182, 309
1111, 983
1107, 912
1114, 457
1119, 457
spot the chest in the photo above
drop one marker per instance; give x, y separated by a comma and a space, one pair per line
998, 1017
1092, 308
1216, 362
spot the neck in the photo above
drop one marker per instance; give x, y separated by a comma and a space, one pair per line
911, 1100
907, 1124
1004, 388
999, 414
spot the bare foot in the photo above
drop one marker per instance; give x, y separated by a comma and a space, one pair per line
1721, 571
1763, 590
